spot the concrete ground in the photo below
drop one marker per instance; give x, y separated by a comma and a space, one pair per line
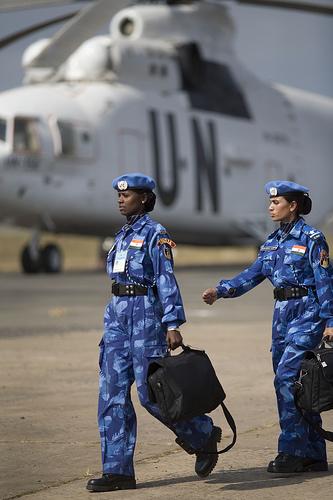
50, 327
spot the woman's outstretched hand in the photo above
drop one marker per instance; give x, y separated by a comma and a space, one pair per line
209, 296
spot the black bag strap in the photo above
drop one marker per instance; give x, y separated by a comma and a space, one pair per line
328, 435
326, 343
232, 425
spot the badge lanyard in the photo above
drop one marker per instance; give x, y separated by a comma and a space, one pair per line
120, 258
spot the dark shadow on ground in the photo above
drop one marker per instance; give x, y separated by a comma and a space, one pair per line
256, 478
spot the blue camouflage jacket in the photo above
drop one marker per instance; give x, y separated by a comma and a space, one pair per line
300, 258
149, 262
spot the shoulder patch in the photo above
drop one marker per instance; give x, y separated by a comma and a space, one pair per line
166, 241
159, 228
324, 259
167, 252
313, 234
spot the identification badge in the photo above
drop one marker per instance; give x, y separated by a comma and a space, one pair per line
269, 248
120, 261
298, 249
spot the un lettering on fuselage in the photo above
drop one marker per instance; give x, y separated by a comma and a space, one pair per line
203, 136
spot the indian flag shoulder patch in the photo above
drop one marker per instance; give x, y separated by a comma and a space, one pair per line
298, 249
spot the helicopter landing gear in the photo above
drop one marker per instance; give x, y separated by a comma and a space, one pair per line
29, 261
36, 259
51, 259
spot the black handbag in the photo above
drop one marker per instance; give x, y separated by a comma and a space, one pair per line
186, 386
314, 388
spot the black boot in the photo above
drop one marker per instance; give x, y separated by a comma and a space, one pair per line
288, 464
112, 482
206, 462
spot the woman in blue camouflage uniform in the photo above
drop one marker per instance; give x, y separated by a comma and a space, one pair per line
295, 260
141, 322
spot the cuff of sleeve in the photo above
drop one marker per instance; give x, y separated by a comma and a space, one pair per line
329, 323
225, 291
173, 327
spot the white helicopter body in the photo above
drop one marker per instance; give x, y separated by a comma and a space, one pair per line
182, 109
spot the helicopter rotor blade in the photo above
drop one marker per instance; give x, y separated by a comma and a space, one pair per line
10, 5
311, 7
14, 37
85, 25
88, 20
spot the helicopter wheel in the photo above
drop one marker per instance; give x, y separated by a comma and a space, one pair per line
51, 259
30, 261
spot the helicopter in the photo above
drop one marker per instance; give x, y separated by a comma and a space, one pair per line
163, 93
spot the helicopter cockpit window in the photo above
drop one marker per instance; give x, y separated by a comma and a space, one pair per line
211, 86
26, 137
3, 128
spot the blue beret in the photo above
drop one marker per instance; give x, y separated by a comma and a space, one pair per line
279, 188
133, 181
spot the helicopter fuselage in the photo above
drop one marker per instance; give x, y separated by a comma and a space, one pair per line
207, 130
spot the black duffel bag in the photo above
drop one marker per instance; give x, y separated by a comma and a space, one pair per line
314, 388
186, 386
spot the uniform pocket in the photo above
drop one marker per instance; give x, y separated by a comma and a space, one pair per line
268, 263
294, 260
295, 264
155, 350
307, 341
135, 265
150, 354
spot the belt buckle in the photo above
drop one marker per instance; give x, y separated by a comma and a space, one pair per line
129, 289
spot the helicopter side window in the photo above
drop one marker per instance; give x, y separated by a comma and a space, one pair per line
26, 137
72, 139
3, 129
211, 86
67, 138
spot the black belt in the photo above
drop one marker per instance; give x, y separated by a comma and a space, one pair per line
290, 292
129, 290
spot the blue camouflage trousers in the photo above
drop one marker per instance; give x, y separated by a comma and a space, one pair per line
133, 336
297, 328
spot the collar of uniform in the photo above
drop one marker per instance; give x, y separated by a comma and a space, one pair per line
137, 225
297, 228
